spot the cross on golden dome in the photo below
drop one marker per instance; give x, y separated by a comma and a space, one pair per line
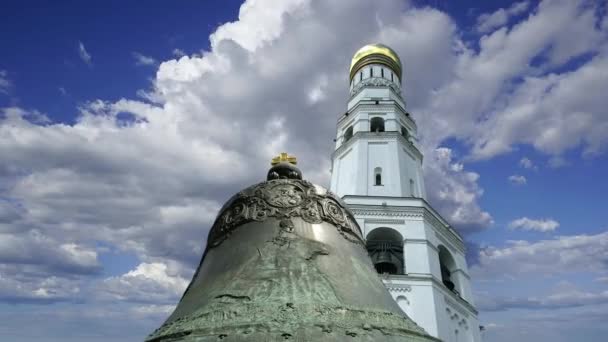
283, 157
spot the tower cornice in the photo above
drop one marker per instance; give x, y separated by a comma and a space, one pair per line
419, 208
383, 106
378, 137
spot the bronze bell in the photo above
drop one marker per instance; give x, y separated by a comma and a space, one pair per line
285, 260
384, 263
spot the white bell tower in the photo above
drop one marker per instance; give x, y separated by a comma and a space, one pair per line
377, 171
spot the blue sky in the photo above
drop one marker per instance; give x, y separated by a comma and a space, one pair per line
124, 127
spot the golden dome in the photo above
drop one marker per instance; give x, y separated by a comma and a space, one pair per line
375, 54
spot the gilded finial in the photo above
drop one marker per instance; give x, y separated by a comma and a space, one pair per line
283, 157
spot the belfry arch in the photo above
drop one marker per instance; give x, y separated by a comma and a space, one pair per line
376, 124
385, 247
448, 267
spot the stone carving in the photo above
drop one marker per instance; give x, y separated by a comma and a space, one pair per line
375, 82
281, 199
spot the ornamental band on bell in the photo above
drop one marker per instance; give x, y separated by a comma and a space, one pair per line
283, 199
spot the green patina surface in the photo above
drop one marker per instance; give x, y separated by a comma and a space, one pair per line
284, 278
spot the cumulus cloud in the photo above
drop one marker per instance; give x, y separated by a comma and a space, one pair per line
149, 176
542, 225
84, 54
143, 60
557, 256
489, 21
5, 83
148, 282
29, 248
455, 191
514, 89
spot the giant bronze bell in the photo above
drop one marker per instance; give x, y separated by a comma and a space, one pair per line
285, 260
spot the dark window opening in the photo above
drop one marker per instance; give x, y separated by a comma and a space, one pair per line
382, 72
378, 176
405, 133
371, 72
361, 76
348, 133
392, 77
377, 124
385, 247
447, 267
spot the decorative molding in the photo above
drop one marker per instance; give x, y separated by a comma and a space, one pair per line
463, 304
456, 306
381, 213
374, 82
449, 243
387, 135
383, 221
370, 106
442, 231
391, 287
409, 153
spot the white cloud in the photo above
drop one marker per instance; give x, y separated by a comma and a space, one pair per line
527, 163
487, 22
19, 288
84, 54
148, 282
557, 256
148, 178
560, 300
317, 92
517, 179
542, 225
5, 83
143, 60
29, 248
178, 53
455, 191
514, 90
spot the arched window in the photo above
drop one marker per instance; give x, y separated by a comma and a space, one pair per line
405, 133
378, 176
377, 124
348, 133
385, 247
412, 188
371, 71
447, 266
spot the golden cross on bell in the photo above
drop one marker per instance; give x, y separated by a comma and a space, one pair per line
283, 157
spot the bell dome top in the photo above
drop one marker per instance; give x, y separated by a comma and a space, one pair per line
375, 54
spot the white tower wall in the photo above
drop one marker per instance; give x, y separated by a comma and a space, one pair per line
396, 202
